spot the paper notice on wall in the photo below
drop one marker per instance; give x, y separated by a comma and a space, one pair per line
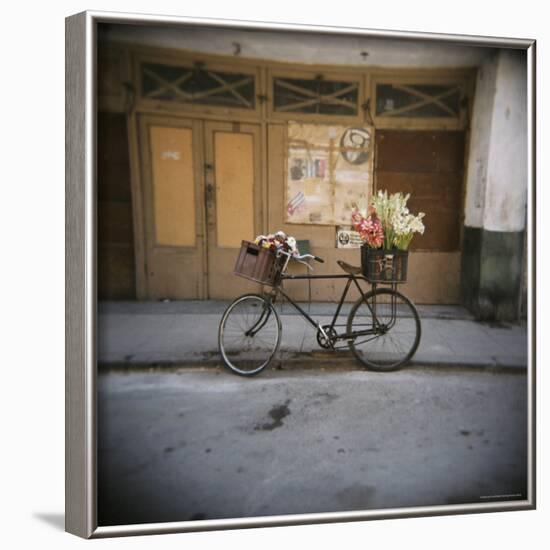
347, 238
329, 172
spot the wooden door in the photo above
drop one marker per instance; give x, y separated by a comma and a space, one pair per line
430, 166
173, 189
233, 201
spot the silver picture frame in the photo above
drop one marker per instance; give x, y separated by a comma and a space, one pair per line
81, 284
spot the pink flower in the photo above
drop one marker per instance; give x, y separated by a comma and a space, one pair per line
370, 229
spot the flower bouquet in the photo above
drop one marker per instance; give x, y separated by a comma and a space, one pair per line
278, 240
387, 232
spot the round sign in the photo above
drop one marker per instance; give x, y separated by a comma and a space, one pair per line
355, 138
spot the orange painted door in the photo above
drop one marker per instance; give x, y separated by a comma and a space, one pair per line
173, 207
233, 181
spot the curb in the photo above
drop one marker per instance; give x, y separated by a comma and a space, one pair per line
305, 360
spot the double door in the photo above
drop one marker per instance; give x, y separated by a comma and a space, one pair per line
201, 195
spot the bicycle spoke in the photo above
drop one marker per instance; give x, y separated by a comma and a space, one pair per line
396, 326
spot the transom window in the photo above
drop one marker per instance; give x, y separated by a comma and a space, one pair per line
418, 100
315, 96
198, 84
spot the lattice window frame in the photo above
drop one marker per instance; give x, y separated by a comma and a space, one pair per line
211, 66
353, 77
462, 79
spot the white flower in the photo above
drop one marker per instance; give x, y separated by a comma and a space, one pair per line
398, 223
416, 224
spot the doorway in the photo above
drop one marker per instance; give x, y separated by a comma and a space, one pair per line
202, 195
233, 200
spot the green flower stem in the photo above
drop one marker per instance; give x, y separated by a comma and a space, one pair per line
402, 242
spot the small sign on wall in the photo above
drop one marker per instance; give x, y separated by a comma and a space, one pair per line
347, 238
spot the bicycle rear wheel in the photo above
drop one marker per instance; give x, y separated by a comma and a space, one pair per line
249, 334
387, 330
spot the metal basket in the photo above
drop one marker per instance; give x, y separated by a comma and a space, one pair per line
384, 266
258, 264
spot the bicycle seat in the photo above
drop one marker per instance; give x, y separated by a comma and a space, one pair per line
350, 269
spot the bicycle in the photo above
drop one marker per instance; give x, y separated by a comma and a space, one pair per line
382, 330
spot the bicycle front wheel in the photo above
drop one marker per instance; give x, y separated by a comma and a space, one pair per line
384, 329
249, 334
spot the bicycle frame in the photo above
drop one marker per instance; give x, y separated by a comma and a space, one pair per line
259, 324
350, 278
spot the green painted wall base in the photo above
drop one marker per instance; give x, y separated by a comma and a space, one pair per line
491, 273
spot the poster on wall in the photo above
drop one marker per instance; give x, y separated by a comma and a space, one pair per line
329, 172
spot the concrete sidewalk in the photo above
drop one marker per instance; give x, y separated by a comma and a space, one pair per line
185, 332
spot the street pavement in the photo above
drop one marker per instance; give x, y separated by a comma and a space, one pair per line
201, 443
185, 332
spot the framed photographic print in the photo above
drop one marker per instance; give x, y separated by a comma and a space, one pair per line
300, 274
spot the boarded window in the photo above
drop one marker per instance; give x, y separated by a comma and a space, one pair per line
173, 185
234, 187
315, 96
197, 84
418, 100
429, 166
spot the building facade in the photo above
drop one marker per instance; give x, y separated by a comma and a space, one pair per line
193, 157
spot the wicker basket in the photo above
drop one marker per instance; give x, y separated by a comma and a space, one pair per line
384, 266
258, 264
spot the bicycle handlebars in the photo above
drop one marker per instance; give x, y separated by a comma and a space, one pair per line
302, 257
309, 256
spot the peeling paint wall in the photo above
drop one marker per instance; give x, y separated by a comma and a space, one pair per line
506, 195
493, 248
496, 191
480, 138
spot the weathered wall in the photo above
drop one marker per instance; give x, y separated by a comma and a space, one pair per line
506, 195
495, 199
115, 240
493, 255
302, 47
480, 138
